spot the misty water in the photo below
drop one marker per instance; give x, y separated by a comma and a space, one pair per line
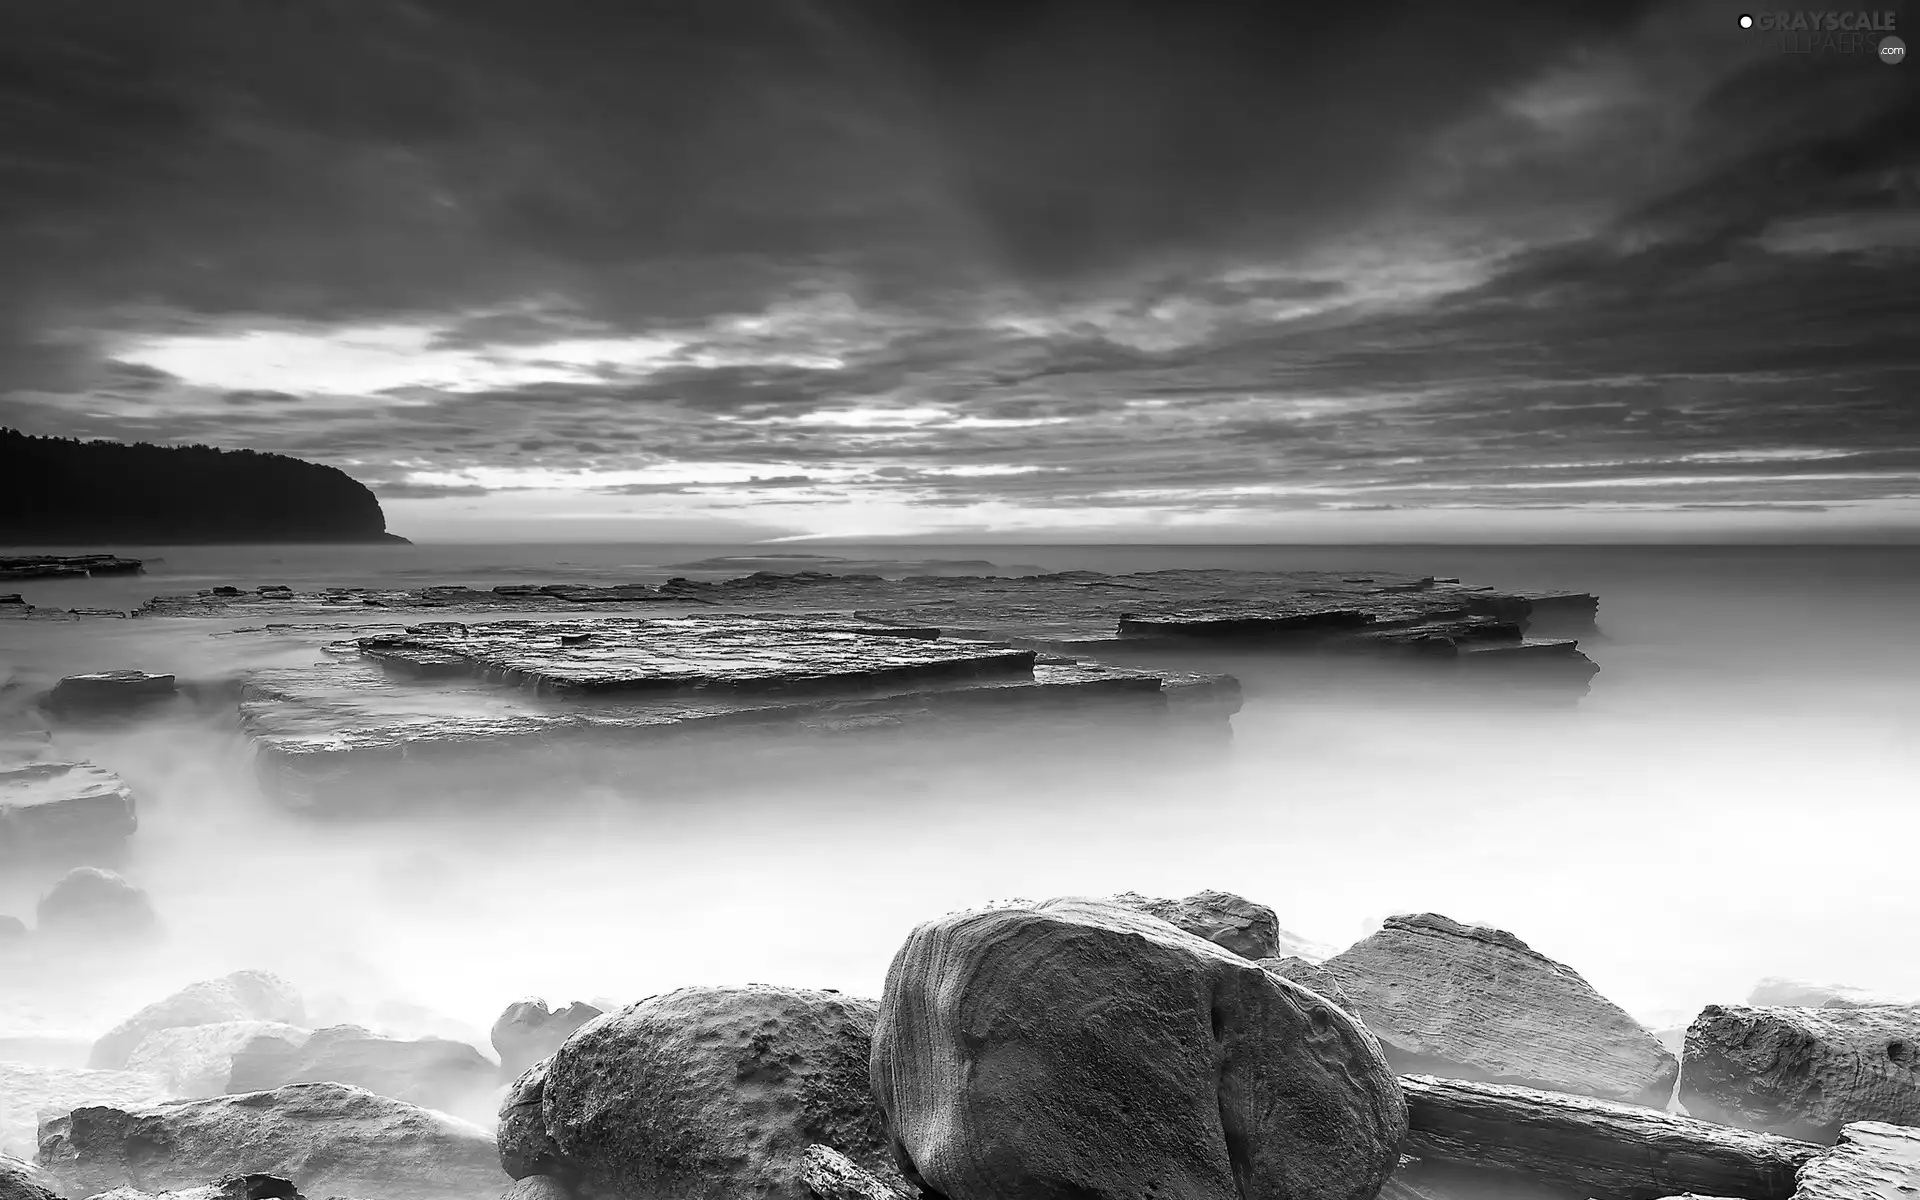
1734, 798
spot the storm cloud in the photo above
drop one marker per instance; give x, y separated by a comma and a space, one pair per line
1091, 259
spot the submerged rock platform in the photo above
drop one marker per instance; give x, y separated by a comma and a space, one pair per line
622, 694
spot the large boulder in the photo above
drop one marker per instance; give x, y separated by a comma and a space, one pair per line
333, 1139
240, 996
528, 1031
1803, 1072
713, 1093
1466, 1002
29, 1090
198, 1060
21, 1180
1078, 1048
431, 1072
88, 902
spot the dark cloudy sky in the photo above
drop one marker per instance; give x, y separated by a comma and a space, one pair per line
1092, 268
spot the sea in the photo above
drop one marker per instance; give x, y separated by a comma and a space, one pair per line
1737, 796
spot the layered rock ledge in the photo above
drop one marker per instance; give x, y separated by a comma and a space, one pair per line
535, 695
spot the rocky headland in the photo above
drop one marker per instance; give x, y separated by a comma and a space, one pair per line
1129, 1047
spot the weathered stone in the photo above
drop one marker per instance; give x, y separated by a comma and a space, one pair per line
240, 996
525, 1148
536, 1187
1776, 992
1082, 1048
27, 1090
1473, 1003
235, 1187
198, 1060
1233, 922
713, 1093
108, 692
1874, 1160
333, 1139
348, 733
527, 1031
831, 1175
21, 1180
88, 902
431, 1072
49, 805
1312, 976
1598, 1147
1803, 1072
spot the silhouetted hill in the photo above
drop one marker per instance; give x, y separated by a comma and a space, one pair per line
62, 491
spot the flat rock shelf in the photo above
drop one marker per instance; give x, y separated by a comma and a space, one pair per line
626, 697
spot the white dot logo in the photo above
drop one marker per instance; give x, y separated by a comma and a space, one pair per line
1746, 22
1892, 51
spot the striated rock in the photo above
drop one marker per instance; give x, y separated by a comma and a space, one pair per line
831, 1175
1777, 992
235, 1187
713, 1093
528, 1031
27, 1090
1466, 1002
336, 1140
431, 1072
21, 1180
88, 902
1596, 1147
1082, 1048
1233, 922
198, 1060
536, 1187
1873, 1161
50, 805
525, 1148
1312, 976
107, 692
1803, 1072
240, 996
355, 733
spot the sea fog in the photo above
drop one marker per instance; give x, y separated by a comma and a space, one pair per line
1735, 798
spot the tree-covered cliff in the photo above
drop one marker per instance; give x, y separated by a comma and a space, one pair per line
62, 491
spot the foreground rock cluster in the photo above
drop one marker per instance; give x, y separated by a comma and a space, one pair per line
1128, 1048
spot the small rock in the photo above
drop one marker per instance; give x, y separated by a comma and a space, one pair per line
46, 805
91, 903
1248, 929
12, 930
1079, 1048
198, 1060
831, 1175
1803, 1072
432, 1072
21, 1180
527, 1032
1873, 1161
1465, 1002
108, 691
240, 996
337, 1140
713, 1093
525, 1148
536, 1187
